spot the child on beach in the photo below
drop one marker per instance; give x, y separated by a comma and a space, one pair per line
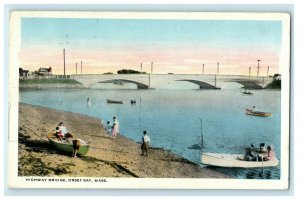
108, 127
115, 128
58, 134
76, 147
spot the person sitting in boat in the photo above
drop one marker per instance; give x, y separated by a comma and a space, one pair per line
58, 134
108, 127
253, 109
271, 154
262, 151
250, 154
66, 134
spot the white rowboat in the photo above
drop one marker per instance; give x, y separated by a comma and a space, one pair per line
231, 160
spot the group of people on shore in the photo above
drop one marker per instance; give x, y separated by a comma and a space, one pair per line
260, 154
63, 135
113, 129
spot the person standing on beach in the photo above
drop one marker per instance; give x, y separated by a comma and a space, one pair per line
145, 143
76, 147
115, 128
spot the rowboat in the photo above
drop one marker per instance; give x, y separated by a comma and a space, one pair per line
257, 113
234, 160
66, 146
247, 93
114, 101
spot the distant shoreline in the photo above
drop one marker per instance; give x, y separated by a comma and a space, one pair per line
49, 83
120, 157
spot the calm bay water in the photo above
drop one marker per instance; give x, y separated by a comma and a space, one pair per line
172, 118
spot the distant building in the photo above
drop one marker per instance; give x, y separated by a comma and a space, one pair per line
44, 71
23, 73
277, 77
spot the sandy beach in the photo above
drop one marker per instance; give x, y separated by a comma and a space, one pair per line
108, 157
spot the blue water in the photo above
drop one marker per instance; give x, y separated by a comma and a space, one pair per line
172, 118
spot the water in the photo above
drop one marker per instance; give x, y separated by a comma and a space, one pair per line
172, 118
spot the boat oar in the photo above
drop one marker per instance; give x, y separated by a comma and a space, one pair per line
262, 165
201, 133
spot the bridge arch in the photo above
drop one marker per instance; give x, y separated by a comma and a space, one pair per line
138, 84
202, 85
249, 84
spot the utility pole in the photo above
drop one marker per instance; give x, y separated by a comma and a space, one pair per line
81, 66
203, 69
249, 72
76, 68
151, 67
218, 69
141, 67
268, 71
258, 67
64, 63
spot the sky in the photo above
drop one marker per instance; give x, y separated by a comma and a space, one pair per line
174, 46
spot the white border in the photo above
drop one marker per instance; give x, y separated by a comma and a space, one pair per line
19, 182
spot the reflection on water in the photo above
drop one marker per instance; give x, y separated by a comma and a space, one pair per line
172, 118
255, 173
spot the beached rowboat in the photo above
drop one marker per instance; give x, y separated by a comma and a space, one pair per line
231, 160
67, 147
257, 113
114, 101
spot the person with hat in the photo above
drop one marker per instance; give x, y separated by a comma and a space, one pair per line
250, 154
262, 151
76, 147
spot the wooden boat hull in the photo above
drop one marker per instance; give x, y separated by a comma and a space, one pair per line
231, 161
257, 113
67, 147
114, 101
247, 93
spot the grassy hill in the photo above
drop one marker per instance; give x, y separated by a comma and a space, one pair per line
276, 84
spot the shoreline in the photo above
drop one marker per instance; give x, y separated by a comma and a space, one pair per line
50, 86
107, 157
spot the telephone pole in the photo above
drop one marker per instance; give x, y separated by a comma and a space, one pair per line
151, 67
203, 69
218, 69
141, 67
64, 51
268, 71
249, 72
258, 67
81, 66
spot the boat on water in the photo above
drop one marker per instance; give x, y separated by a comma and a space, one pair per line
114, 101
247, 93
234, 160
66, 146
257, 113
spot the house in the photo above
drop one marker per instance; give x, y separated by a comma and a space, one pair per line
23, 73
44, 71
277, 77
